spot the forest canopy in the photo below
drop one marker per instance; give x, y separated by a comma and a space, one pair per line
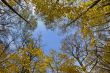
85, 50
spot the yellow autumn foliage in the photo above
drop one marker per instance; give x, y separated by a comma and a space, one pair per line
107, 52
12, 2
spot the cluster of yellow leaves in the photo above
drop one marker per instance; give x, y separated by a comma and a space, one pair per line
92, 42
34, 51
106, 9
1, 48
93, 17
25, 13
48, 60
63, 56
12, 2
52, 10
12, 68
43, 64
85, 30
23, 58
3, 54
20, 58
5, 65
107, 52
41, 67
68, 67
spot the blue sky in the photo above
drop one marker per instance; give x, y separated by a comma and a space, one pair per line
50, 39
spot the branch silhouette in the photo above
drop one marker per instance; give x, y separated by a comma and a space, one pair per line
11, 8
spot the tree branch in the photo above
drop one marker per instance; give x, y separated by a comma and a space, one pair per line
6, 3
91, 6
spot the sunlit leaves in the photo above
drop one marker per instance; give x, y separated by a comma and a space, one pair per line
34, 51
85, 30
92, 42
63, 56
70, 0
48, 60
107, 9
12, 68
51, 10
14, 57
25, 13
22, 60
3, 54
107, 52
68, 67
1, 48
12, 2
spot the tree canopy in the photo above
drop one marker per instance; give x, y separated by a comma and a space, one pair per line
86, 50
